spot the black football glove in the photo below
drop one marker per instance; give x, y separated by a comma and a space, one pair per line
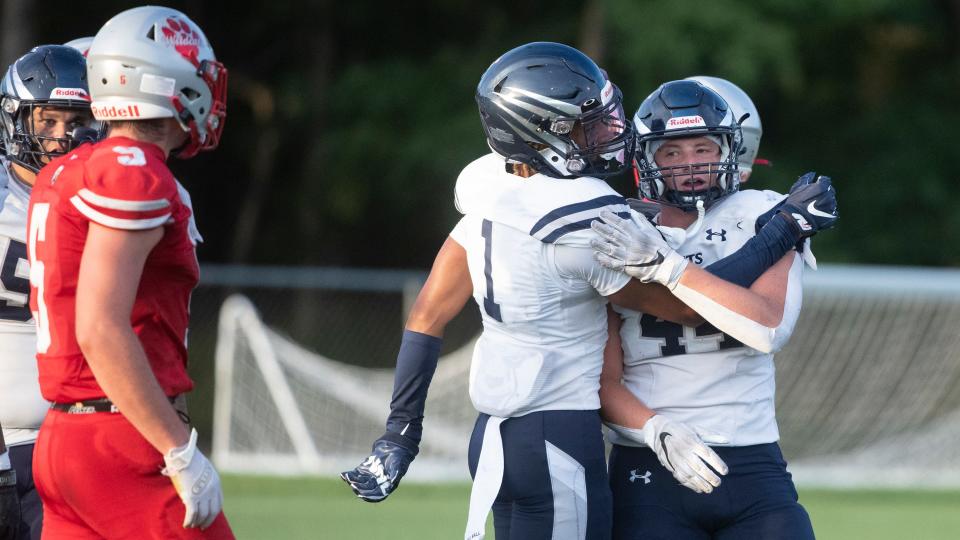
810, 207
379, 475
9, 505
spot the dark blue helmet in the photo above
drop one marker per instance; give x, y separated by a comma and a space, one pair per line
549, 106
681, 109
48, 76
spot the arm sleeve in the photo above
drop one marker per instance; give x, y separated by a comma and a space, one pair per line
575, 262
744, 329
748, 263
127, 197
416, 364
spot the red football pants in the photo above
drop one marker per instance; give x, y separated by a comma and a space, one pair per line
99, 478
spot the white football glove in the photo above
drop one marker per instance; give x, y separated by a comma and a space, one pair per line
196, 481
682, 452
636, 247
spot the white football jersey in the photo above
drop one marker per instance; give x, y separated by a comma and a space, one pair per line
539, 290
22, 408
702, 376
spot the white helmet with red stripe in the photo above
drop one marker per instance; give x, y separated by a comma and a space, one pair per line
154, 62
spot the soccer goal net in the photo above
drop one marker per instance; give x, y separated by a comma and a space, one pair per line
281, 409
868, 390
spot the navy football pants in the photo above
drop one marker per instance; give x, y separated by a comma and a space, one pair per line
756, 499
31, 509
555, 482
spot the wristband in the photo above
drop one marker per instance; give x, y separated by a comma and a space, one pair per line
5, 461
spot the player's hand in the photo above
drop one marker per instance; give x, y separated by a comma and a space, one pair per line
803, 180
636, 248
9, 504
682, 452
811, 206
196, 481
379, 475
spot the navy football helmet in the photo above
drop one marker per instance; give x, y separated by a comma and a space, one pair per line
48, 76
549, 106
681, 109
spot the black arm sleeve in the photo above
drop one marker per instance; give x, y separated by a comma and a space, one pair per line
416, 364
748, 263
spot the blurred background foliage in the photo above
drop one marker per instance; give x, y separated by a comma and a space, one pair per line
349, 122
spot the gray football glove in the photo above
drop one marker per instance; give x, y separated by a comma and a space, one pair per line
637, 248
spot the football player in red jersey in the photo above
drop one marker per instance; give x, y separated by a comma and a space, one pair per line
111, 241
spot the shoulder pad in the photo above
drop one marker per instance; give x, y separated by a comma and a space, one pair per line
126, 187
549, 209
746, 204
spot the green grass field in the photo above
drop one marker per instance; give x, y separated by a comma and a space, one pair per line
312, 509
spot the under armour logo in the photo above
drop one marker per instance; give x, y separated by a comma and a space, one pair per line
635, 475
722, 234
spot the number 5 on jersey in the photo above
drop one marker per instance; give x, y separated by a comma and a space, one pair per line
38, 233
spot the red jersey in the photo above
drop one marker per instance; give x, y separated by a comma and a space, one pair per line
123, 184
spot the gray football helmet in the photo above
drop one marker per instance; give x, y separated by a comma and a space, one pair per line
154, 62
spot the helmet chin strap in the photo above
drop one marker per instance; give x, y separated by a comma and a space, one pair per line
695, 228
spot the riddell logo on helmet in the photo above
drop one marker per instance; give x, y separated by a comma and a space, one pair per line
69, 93
113, 112
686, 121
607, 93
184, 39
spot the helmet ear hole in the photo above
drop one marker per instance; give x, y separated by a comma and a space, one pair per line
150, 34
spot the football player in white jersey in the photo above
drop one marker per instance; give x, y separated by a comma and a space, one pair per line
715, 376
555, 124
44, 101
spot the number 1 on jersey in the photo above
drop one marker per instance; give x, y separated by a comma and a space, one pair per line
38, 233
489, 305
